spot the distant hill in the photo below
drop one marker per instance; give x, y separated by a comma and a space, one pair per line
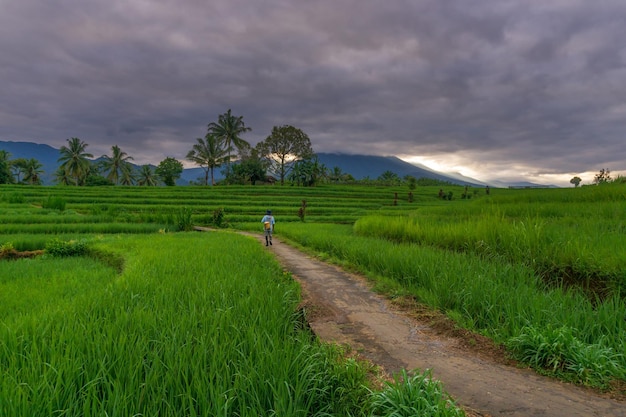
359, 166
362, 166
47, 155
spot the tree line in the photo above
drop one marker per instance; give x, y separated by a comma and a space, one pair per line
286, 153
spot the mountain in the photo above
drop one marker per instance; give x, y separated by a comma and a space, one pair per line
362, 166
359, 166
47, 155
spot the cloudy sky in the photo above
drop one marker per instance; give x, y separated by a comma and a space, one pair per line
494, 89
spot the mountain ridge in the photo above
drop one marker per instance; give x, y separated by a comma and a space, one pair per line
359, 166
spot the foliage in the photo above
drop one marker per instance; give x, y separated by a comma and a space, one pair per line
117, 166
173, 334
486, 294
5, 168
218, 217
147, 176
411, 182
54, 203
228, 129
184, 221
302, 211
413, 396
307, 172
576, 181
61, 248
249, 170
283, 148
29, 168
602, 177
208, 153
74, 162
389, 178
560, 351
94, 179
169, 170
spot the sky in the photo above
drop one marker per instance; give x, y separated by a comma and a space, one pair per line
509, 90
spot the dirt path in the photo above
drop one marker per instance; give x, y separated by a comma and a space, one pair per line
344, 310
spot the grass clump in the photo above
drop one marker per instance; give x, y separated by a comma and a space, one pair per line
561, 352
54, 203
413, 396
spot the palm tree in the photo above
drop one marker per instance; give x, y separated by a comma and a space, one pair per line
227, 129
74, 160
116, 164
61, 176
147, 176
5, 167
127, 176
32, 171
209, 154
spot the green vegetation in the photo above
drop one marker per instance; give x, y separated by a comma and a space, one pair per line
117, 302
174, 334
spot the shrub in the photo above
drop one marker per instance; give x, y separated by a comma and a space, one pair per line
183, 219
218, 217
58, 247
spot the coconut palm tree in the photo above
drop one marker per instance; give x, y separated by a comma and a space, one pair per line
116, 164
147, 176
32, 171
127, 176
208, 153
74, 160
228, 129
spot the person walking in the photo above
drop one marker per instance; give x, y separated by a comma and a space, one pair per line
268, 226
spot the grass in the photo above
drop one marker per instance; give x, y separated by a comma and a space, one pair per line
537, 270
175, 334
492, 296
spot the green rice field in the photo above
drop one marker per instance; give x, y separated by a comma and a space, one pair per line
122, 310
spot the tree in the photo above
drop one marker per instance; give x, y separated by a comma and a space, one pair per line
411, 181
283, 148
147, 176
5, 168
62, 177
128, 174
117, 166
74, 160
603, 177
249, 170
228, 129
307, 172
17, 167
32, 171
576, 181
389, 178
208, 153
169, 171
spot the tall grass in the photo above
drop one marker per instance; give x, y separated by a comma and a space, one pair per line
181, 331
500, 299
571, 242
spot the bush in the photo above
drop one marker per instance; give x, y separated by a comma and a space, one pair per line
60, 248
218, 217
183, 220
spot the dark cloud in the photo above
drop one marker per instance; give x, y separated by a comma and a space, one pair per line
492, 86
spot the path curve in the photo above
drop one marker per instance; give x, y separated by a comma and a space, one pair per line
349, 312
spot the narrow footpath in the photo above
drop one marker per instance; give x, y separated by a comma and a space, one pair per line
346, 311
